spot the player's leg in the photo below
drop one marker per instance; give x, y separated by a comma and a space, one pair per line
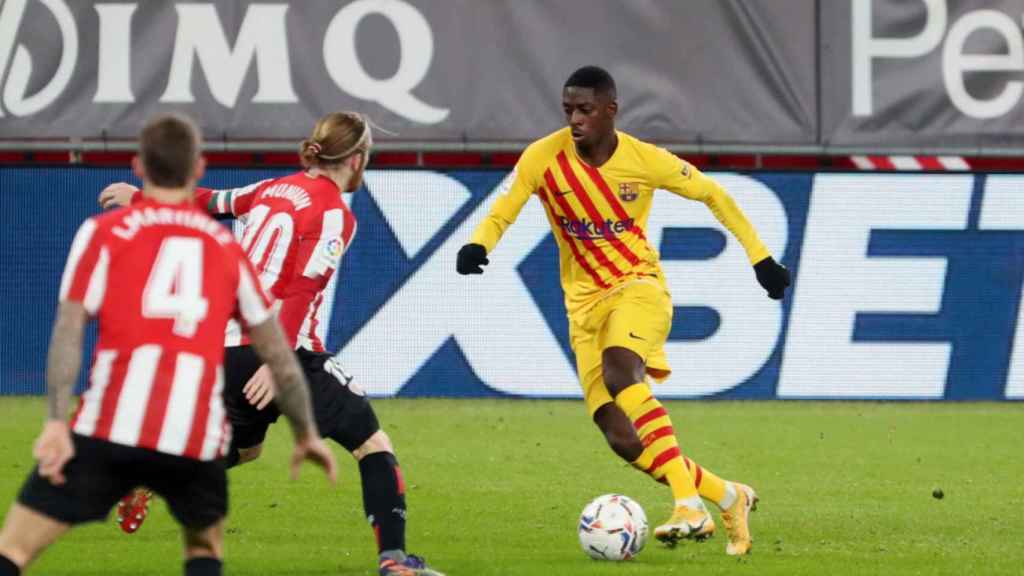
618, 432
634, 336
345, 415
26, 533
196, 494
384, 505
617, 429
43, 511
242, 455
249, 428
634, 330
606, 371
661, 458
734, 500
249, 425
204, 550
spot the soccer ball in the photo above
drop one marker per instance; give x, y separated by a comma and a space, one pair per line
613, 527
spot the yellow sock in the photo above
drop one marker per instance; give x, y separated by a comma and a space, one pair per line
710, 485
661, 457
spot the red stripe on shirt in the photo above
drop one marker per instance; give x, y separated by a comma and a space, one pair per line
159, 395
197, 434
648, 416
580, 259
84, 270
108, 402
313, 322
602, 185
603, 260
663, 458
595, 215
268, 253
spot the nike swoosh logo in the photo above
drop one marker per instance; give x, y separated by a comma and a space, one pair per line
563, 192
631, 335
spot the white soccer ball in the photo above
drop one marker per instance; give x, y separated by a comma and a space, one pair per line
613, 527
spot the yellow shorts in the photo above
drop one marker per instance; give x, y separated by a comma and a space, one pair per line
637, 316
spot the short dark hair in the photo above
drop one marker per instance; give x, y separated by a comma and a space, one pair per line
169, 150
594, 77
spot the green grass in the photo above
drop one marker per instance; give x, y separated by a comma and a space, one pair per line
495, 488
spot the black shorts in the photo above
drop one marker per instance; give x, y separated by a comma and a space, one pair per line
342, 411
102, 472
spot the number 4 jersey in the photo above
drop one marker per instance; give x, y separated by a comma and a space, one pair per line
163, 280
295, 231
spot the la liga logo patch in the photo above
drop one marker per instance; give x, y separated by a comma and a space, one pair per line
333, 248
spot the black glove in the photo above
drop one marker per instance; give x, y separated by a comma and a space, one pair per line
773, 277
471, 257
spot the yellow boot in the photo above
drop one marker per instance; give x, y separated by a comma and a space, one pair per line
685, 523
737, 520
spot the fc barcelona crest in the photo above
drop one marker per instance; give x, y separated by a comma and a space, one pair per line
629, 191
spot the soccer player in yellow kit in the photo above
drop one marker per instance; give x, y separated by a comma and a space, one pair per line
596, 185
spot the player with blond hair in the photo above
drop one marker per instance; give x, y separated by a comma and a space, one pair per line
162, 279
295, 230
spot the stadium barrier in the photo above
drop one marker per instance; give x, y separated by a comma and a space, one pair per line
907, 286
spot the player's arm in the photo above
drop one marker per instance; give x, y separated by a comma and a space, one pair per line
504, 212
680, 177
230, 203
291, 394
292, 308
291, 390
54, 448
64, 358
82, 289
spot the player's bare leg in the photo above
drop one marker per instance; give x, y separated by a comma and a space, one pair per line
249, 454
204, 549
618, 432
26, 533
384, 504
624, 375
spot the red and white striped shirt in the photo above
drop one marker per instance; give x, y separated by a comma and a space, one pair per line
295, 231
162, 281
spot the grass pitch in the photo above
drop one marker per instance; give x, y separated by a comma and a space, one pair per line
495, 488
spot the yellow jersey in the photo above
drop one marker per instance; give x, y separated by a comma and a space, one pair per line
599, 214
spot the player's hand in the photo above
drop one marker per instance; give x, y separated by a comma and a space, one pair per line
773, 277
117, 194
53, 449
259, 390
471, 257
311, 447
